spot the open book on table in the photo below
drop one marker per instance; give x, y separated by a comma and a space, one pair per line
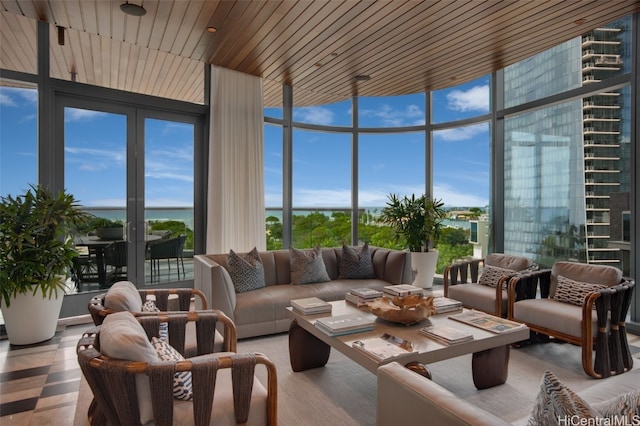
384, 347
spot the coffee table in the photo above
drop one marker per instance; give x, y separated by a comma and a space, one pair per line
310, 347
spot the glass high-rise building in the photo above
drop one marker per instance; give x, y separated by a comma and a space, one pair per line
564, 163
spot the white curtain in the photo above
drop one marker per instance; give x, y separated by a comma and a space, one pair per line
235, 204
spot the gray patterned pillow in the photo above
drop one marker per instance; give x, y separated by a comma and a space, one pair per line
246, 272
556, 401
307, 266
622, 407
574, 292
182, 388
355, 263
492, 274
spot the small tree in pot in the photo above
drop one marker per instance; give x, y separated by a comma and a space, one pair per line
418, 220
36, 254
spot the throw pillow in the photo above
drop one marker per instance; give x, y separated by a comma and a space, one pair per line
574, 292
307, 266
182, 388
150, 306
123, 296
122, 337
247, 271
622, 408
556, 401
492, 274
355, 263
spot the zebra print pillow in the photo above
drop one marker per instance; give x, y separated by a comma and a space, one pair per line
181, 381
555, 402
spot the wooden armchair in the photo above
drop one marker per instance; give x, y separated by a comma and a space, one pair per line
485, 288
134, 384
581, 304
124, 296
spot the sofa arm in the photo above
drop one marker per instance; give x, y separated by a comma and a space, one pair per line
214, 281
406, 398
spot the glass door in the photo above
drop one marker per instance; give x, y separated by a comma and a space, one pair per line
168, 194
95, 172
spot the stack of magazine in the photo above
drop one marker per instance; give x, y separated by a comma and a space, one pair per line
402, 290
445, 334
362, 296
384, 347
346, 324
311, 305
444, 305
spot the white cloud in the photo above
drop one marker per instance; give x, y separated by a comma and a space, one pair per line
474, 99
453, 197
314, 115
74, 114
412, 115
6, 100
462, 133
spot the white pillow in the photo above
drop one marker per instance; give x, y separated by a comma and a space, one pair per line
123, 296
122, 337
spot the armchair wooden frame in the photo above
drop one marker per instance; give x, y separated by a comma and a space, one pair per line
114, 387
612, 354
184, 295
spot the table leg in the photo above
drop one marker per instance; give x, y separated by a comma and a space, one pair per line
306, 351
102, 273
419, 368
490, 367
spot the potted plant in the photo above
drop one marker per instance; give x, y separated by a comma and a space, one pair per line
36, 254
107, 229
419, 221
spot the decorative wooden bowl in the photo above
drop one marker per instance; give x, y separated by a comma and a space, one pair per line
405, 310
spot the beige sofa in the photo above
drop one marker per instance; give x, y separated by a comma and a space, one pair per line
261, 312
406, 398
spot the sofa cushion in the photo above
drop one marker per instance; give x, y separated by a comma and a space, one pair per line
574, 292
122, 337
182, 388
246, 272
123, 296
492, 274
355, 263
307, 266
556, 401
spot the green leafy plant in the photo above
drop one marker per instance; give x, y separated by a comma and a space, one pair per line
417, 219
36, 247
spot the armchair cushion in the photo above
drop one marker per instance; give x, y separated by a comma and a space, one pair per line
182, 388
355, 263
307, 266
507, 261
556, 401
574, 292
491, 276
123, 296
592, 274
122, 337
247, 272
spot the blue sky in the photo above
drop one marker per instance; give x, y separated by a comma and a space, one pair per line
95, 153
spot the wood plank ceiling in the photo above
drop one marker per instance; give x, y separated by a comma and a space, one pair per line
318, 47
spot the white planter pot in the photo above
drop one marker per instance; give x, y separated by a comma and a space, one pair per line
425, 266
32, 318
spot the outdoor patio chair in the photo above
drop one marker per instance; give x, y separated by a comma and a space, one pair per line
581, 304
137, 378
482, 283
172, 248
115, 257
